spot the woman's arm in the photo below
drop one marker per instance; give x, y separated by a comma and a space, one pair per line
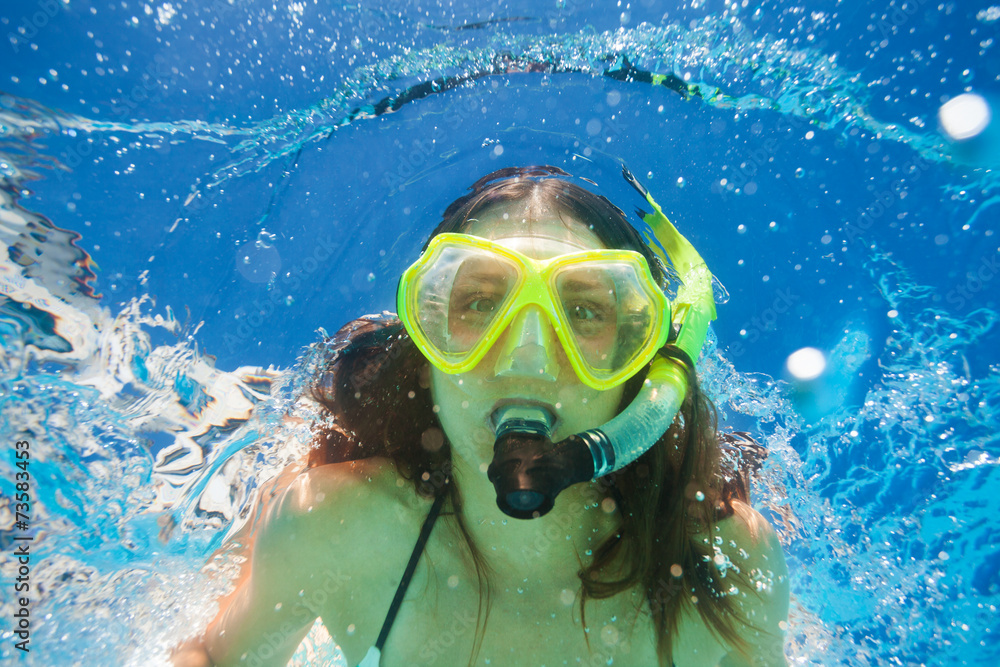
265, 617
191, 654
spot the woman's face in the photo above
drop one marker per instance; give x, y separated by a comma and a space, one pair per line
527, 365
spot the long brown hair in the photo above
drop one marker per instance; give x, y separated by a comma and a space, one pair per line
373, 381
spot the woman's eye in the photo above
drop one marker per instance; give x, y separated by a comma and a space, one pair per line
589, 312
482, 305
583, 313
591, 319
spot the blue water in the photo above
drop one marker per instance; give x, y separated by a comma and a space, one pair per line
193, 191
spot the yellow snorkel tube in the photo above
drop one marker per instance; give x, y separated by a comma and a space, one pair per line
529, 470
694, 307
629, 435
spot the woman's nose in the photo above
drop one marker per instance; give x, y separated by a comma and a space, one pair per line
529, 348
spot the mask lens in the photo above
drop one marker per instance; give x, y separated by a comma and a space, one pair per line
460, 293
610, 314
587, 297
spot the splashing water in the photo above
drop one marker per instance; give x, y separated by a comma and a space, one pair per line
145, 455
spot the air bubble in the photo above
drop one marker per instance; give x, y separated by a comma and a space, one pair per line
965, 116
807, 363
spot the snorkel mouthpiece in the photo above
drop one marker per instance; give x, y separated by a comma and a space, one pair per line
528, 470
524, 419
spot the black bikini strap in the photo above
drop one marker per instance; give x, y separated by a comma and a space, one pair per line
418, 549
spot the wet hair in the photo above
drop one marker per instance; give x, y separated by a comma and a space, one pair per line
375, 383
544, 189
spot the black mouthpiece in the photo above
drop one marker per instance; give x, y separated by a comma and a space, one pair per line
529, 470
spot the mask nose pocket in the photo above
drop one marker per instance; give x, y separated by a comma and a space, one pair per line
529, 349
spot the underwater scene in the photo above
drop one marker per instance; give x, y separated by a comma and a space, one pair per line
196, 194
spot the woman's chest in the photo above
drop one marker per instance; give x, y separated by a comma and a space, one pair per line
524, 626
445, 620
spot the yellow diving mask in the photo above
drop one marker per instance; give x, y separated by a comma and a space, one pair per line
604, 306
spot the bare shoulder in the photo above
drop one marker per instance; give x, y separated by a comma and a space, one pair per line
752, 538
334, 485
751, 549
302, 549
331, 505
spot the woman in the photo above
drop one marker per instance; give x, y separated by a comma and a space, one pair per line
529, 325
